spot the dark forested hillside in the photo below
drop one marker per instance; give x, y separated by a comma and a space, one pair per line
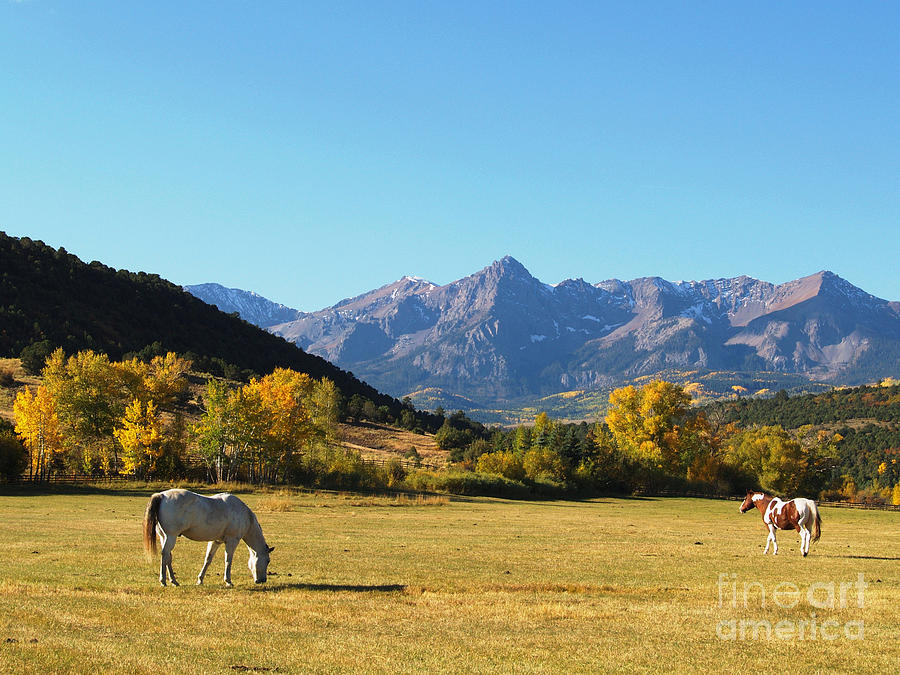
881, 404
48, 295
865, 419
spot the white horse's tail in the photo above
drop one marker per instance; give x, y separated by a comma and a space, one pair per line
151, 518
817, 521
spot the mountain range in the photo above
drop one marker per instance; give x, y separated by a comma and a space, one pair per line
501, 334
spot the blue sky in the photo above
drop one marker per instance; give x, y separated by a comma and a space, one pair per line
313, 151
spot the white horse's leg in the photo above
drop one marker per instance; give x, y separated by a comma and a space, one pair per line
230, 546
805, 536
162, 559
211, 549
165, 562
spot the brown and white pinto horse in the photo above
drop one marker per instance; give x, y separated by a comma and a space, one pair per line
796, 514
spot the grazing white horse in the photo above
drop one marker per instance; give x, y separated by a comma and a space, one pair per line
796, 514
220, 519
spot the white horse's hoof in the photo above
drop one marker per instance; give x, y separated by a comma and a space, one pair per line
228, 584
199, 582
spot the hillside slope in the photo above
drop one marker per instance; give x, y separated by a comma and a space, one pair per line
51, 295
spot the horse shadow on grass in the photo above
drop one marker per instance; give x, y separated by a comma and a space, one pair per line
870, 557
330, 588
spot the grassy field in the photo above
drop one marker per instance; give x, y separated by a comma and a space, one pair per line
375, 584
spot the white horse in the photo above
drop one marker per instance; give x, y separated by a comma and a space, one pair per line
220, 519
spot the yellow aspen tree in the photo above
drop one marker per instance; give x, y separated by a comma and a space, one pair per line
648, 422
88, 392
540, 433
132, 375
285, 396
37, 424
166, 380
140, 437
324, 402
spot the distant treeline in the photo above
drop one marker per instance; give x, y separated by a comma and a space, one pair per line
880, 403
652, 438
106, 417
869, 448
100, 417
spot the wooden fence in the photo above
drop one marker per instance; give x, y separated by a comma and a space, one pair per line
405, 464
701, 495
82, 479
408, 465
69, 479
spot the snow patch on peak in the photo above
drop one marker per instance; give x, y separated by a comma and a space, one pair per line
416, 280
696, 312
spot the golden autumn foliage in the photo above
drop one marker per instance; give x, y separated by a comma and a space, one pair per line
650, 422
503, 463
140, 437
37, 424
96, 402
544, 463
127, 417
262, 426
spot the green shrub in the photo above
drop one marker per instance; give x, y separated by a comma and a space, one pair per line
544, 463
338, 469
34, 355
7, 377
13, 455
503, 463
467, 483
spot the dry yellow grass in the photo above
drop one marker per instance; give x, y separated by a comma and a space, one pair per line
384, 442
22, 380
477, 585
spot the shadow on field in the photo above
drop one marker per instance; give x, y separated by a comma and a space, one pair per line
334, 588
43, 490
869, 557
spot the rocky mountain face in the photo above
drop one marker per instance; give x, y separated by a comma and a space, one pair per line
250, 306
501, 333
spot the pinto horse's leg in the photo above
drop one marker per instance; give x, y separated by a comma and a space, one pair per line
805, 536
211, 549
771, 540
230, 546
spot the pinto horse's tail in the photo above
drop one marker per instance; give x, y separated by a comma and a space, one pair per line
817, 524
151, 518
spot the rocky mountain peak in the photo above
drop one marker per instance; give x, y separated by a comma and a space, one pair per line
250, 306
507, 269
